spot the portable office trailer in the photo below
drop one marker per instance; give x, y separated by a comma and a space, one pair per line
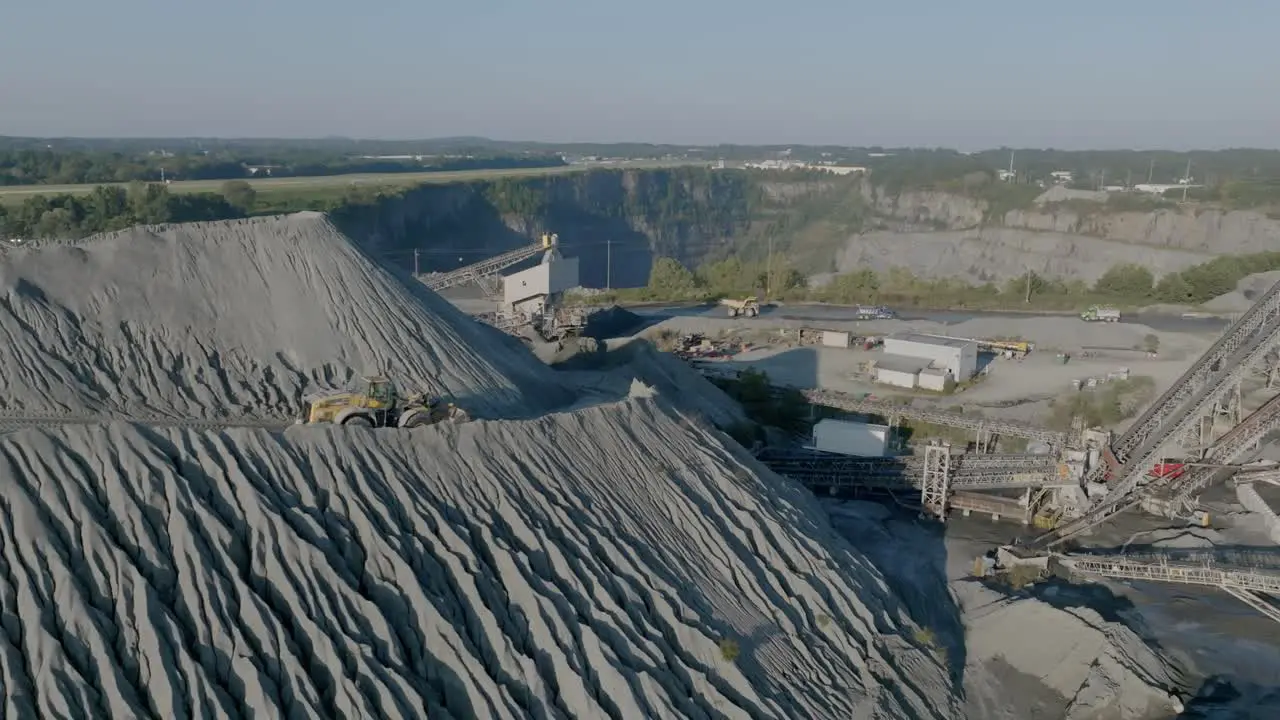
835, 338
851, 438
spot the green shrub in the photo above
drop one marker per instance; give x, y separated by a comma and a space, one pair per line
729, 650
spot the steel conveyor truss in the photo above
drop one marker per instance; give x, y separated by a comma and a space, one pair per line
971, 471
1190, 571
480, 272
1229, 449
1257, 324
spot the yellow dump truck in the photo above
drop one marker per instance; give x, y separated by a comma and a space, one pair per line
750, 307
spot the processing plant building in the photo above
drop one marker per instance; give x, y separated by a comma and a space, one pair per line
914, 360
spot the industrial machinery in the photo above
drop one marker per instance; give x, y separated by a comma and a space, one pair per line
534, 299
1013, 348
1097, 313
375, 402
749, 307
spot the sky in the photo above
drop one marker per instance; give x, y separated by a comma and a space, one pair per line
969, 75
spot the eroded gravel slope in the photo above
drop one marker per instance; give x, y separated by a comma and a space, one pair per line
586, 564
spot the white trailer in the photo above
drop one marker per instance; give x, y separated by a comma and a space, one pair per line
851, 438
836, 338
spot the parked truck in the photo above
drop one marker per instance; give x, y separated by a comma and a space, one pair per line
874, 312
1100, 314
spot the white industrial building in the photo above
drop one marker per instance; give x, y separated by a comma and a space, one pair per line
900, 370
851, 438
531, 289
534, 297
913, 360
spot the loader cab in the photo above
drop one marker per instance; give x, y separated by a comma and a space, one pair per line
379, 393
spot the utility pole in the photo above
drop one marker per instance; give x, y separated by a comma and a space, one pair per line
415, 261
1151, 170
608, 269
1186, 180
768, 271
1028, 285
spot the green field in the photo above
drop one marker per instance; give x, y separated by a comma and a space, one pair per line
335, 183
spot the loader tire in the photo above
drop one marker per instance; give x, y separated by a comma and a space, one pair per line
421, 419
357, 421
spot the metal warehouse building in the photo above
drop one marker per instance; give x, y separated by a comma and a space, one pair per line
928, 361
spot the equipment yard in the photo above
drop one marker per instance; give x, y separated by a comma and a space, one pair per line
1095, 350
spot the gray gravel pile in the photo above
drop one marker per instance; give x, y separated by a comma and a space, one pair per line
237, 318
614, 562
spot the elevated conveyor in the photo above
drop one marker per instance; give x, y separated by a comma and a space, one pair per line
1212, 574
1246, 330
1200, 403
480, 272
970, 471
1229, 449
1251, 575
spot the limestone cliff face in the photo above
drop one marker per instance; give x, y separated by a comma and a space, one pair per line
1211, 231
696, 214
941, 234
635, 215
926, 207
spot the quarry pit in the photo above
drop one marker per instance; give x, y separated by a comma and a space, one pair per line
593, 544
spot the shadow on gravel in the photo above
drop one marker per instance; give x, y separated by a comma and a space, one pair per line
1226, 698
911, 554
1062, 594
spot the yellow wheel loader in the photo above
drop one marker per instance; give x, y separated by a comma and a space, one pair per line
374, 402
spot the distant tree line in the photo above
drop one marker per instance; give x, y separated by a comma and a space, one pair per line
45, 166
110, 207
1242, 178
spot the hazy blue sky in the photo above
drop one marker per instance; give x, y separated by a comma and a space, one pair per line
981, 73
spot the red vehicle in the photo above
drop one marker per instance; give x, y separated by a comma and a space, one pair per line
1166, 470
1160, 471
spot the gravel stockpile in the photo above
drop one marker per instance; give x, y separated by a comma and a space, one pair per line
237, 318
615, 562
